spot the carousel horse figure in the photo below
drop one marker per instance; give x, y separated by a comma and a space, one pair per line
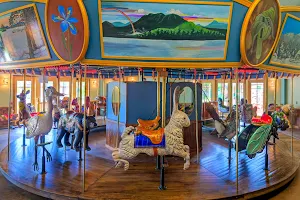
169, 140
72, 123
40, 125
24, 113
75, 105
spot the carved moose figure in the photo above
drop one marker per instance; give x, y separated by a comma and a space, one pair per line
23, 110
173, 136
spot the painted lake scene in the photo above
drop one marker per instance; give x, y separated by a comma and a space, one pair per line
165, 30
21, 37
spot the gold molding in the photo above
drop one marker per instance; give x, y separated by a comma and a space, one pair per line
40, 29
278, 39
244, 2
113, 63
86, 33
37, 1
34, 65
290, 8
244, 33
230, 4
279, 69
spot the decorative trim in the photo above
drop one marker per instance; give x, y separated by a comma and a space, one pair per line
113, 63
40, 29
290, 8
35, 65
86, 33
279, 69
246, 3
37, 1
277, 41
244, 33
230, 4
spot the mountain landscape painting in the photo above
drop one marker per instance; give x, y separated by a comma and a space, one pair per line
287, 50
21, 36
165, 30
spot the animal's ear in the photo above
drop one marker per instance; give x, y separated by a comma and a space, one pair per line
18, 96
28, 91
176, 98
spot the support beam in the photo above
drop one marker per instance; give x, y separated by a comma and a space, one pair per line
266, 89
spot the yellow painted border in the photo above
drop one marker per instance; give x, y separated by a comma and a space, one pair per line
86, 33
244, 2
279, 69
34, 65
38, 1
290, 8
244, 33
277, 42
40, 29
230, 4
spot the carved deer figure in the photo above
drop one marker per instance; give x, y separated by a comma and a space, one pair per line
23, 109
173, 136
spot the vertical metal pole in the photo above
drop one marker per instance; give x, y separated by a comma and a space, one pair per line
80, 90
24, 87
292, 116
9, 113
118, 107
237, 129
72, 87
230, 92
266, 158
266, 92
196, 112
275, 100
58, 85
44, 88
158, 112
84, 130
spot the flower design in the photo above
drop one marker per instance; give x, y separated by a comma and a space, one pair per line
66, 20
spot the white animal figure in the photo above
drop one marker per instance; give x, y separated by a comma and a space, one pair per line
173, 136
41, 125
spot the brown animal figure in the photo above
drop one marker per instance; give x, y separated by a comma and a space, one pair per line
23, 109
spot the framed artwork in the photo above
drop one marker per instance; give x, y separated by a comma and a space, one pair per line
287, 49
259, 31
289, 2
164, 31
21, 36
67, 28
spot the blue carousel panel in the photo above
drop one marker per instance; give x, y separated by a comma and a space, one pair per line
142, 141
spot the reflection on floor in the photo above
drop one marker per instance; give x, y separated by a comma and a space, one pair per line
217, 177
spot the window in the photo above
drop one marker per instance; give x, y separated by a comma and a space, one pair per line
64, 89
78, 91
20, 88
257, 97
241, 93
223, 93
206, 92
49, 84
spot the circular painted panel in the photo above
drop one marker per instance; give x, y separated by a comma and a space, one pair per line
67, 28
260, 31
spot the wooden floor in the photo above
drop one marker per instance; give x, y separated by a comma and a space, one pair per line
213, 178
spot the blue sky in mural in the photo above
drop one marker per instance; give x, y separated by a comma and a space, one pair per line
291, 26
197, 13
289, 2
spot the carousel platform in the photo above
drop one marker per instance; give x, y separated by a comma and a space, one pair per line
213, 178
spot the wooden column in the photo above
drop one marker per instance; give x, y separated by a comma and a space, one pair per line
266, 89
9, 113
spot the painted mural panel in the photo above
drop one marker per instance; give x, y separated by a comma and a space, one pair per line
165, 30
289, 2
21, 36
287, 50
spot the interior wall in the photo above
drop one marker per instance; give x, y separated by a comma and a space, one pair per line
4, 90
296, 92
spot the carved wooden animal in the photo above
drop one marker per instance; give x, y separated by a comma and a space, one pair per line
23, 109
173, 135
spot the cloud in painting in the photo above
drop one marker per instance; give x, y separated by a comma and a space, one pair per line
174, 11
141, 11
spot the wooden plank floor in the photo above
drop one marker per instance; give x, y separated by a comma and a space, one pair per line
213, 178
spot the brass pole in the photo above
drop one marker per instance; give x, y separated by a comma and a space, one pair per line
80, 90
196, 112
292, 116
72, 87
164, 98
266, 92
275, 92
244, 87
118, 107
44, 88
158, 93
230, 92
9, 113
58, 85
84, 132
237, 129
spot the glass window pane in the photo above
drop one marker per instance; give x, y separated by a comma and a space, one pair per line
240, 95
223, 93
65, 88
257, 97
206, 92
49, 84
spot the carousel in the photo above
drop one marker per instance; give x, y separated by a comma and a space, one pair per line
132, 99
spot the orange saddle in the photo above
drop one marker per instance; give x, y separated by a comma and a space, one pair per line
156, 136
149, 124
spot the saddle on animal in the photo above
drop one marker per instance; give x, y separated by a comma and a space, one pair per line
148, 124
155, 136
